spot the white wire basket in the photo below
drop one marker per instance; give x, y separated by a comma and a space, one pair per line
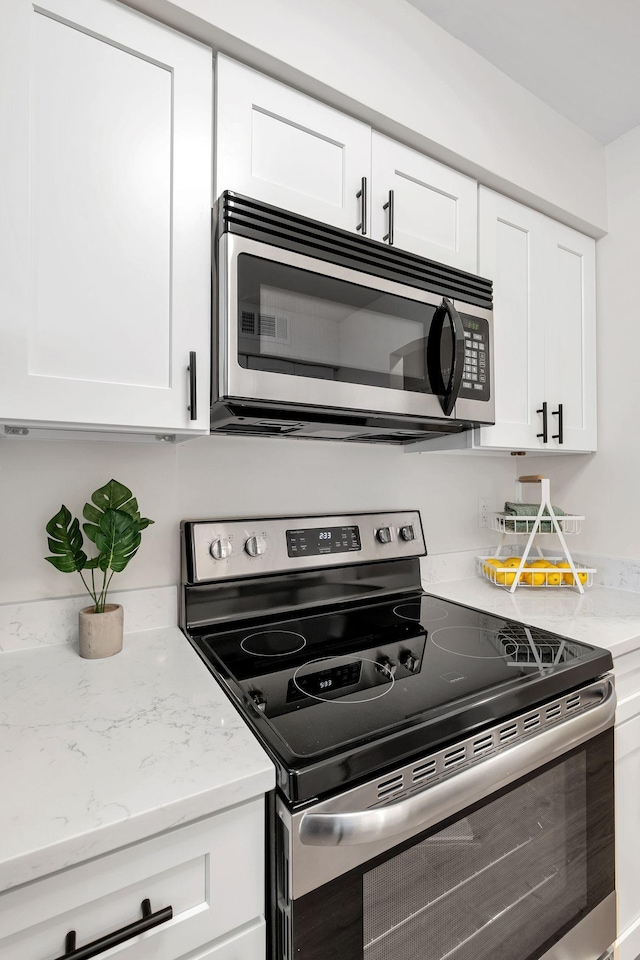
545, 572
509, 523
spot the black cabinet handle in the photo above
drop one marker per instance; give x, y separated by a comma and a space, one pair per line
362, 192
544, 434
149, 920
559, 436
193, 402
389, 205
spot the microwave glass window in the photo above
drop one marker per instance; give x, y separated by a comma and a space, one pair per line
304, 324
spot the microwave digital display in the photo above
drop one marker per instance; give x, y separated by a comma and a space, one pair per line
317, 541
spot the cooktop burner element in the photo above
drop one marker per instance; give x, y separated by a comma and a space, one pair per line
476, 642
298, 637
419, 610
273, 643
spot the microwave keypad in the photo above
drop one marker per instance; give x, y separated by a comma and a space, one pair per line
475, 377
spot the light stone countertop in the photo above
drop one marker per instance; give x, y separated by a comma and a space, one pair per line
96, 754
601, 616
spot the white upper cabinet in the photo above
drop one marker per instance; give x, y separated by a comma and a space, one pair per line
430, 209
280, 146
105, 233
283, 147
544, 329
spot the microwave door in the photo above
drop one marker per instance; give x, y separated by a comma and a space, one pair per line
445, 355
314, 334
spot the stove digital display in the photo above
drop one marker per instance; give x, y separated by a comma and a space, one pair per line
324, 682
317, 541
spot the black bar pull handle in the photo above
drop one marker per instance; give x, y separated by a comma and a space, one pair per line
447, 392
389, 205
544, 434
559, 436
193, 402
362, 193
148, 921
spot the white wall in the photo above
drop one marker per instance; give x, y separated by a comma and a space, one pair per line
604, 487
227, 477
387, 63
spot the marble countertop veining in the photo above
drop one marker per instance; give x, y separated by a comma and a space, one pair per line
96, 754
602, 616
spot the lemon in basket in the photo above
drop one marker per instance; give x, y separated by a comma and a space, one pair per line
568, 577
505, 577
532, 577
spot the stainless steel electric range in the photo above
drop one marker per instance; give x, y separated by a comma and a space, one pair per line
444, 776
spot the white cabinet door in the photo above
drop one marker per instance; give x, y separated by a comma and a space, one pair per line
434, 207
544, 329
511, 255
280, 146
105, 233
570, 337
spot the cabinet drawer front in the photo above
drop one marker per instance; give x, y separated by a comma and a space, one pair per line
210, 872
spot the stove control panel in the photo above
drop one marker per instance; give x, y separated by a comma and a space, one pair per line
229, 549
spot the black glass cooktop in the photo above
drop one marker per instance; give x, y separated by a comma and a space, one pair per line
337, 695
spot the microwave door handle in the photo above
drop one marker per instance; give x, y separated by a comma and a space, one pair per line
448, 392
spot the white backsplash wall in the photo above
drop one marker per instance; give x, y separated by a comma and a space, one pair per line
227, 477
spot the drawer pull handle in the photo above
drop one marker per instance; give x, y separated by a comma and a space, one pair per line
149, 920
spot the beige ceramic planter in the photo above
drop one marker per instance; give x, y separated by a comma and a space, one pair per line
100, 634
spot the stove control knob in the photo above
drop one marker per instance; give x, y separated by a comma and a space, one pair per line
255, 546
408, 661
221, 548
408, 533
386, 667
384, 534
259, 701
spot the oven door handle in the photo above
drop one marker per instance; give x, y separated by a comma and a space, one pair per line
462, 789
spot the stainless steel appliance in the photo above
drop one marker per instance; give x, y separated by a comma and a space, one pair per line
444, 776
323, 334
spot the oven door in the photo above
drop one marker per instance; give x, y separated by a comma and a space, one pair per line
293, 329
510, 859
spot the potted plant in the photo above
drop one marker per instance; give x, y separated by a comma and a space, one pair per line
114, 525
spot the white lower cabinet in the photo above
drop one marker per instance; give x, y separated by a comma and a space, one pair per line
627, 778
210, 872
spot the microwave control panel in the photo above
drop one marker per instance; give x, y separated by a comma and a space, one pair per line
227, 549
476, 377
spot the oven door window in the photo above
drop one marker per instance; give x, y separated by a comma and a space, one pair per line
504, 880
304, 324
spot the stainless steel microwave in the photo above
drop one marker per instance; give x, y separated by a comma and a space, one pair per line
320, 333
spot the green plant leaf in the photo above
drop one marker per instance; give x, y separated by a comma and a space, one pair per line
65, 540
112, 496
117, 540
91, 513
91, 530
